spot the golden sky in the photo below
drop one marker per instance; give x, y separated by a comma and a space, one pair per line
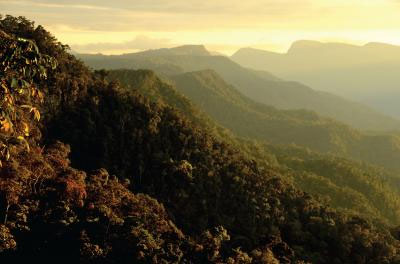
118, 26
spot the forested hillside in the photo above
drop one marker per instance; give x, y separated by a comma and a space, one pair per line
354, 194
174, 193
247, 118
259, 86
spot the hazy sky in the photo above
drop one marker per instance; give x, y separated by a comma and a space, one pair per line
116, 26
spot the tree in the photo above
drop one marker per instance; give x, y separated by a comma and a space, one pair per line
22, 70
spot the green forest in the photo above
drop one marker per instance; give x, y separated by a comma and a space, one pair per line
171, 166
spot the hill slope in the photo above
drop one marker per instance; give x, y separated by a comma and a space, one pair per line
221, 103
259, 86
253, 120
366, 73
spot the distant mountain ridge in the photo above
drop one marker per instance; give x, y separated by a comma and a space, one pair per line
368, 73
301, 46
194, 50
260, 86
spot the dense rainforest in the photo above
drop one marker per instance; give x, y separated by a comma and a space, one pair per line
93, 171
245, 101
234, 111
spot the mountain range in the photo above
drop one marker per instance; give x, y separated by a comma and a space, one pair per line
250, 119
199, 95
367, 74
261, 86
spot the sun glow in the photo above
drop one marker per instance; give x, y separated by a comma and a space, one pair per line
224, 26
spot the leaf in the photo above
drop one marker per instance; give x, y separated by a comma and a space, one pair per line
6, 125
36, 113
7, 154
21, 138
43, 71
41, 96
26, 129
54, 64
35, 46
25, 83
14, 83
4, 87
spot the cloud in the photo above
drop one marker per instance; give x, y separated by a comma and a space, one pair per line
159, 15
175, 6
200, 15
52, 4
140, 42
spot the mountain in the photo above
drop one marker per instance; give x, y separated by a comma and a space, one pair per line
147, 83
262, 87
173, 193
367, 74
247, 118
189, 50
250, 119
318, 174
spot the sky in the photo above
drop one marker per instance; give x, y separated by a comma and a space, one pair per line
122, 26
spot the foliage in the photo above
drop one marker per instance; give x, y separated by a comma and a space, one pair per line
21, 72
